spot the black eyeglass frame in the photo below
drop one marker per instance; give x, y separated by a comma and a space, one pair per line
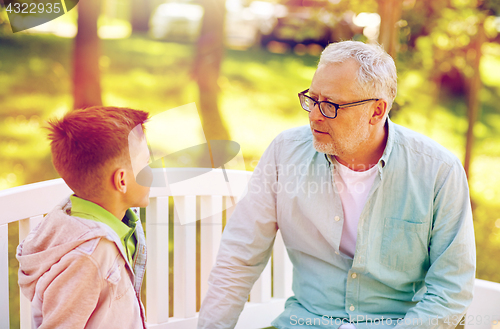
335, 105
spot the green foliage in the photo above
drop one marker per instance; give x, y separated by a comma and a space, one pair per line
31, 92
493, 6
356, 6
439, 36
4, 22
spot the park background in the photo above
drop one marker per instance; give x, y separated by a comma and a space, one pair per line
243, 63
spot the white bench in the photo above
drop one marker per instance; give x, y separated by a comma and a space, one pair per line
484, 312
27, 204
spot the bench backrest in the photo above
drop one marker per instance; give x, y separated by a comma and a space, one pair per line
201, 194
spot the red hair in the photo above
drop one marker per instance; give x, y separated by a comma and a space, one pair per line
86, 141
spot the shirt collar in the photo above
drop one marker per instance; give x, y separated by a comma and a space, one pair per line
390, 142
89, 210
388, 146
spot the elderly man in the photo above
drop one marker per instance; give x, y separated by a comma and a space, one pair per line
376, 218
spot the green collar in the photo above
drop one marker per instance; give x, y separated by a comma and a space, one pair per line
123, 228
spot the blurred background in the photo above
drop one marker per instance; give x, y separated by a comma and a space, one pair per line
243, 62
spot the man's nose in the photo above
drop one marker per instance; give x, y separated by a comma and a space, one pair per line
315, 114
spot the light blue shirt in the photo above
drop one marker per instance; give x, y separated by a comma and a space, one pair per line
415, 250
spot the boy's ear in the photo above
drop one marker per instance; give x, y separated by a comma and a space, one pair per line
119, 180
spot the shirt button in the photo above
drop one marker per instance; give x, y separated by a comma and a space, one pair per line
354, 275
352, 308
337, 218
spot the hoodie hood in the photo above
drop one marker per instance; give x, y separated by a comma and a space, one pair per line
56, 235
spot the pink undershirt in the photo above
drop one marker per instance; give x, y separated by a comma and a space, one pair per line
353, 187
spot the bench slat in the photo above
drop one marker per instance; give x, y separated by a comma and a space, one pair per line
157, 275
42, 197
229, 206
210, 235
4, 276
212, 182
185, 257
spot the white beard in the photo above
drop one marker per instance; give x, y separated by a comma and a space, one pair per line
327, 148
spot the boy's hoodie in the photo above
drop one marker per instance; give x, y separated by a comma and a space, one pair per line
76, 275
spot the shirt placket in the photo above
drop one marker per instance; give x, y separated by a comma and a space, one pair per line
352, 290
338, 212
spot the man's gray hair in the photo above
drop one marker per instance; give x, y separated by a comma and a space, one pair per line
377, 77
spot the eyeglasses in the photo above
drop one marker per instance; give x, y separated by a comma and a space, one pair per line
328, 109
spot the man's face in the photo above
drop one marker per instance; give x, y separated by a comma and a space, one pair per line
137, 194
344, 135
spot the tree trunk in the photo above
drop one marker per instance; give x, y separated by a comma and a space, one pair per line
141, 12
390, 14
87, 50
473, 96
206, 68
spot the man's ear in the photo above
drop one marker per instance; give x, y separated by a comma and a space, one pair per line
120, 181
379, 111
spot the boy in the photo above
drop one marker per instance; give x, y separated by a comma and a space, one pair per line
83, 266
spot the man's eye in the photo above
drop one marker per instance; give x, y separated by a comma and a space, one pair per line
328, 106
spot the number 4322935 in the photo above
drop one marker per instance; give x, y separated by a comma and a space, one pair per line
33, 8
